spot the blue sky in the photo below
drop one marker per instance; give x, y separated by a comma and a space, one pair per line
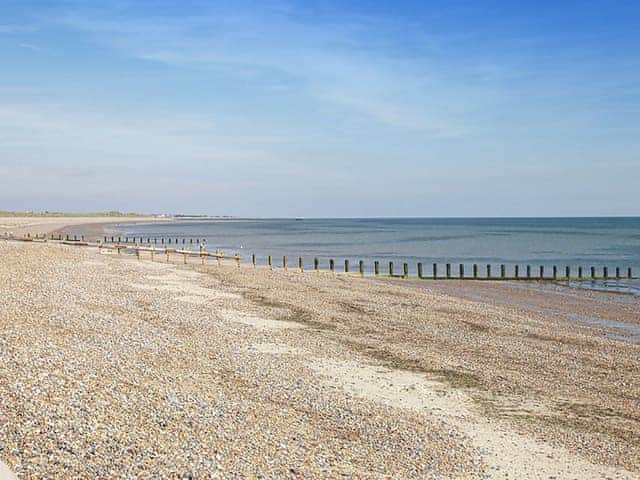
321, 108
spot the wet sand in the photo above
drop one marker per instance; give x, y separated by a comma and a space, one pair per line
114, 366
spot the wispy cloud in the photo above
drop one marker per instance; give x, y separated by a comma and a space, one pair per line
330, 62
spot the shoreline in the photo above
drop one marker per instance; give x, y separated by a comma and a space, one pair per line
521, 391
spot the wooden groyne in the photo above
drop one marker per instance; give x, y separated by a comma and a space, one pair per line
171, 246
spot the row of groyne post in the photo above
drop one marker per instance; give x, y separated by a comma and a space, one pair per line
529, 272
161, 246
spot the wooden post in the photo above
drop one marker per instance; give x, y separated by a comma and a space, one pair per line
475, 270
153, 251
331, 265
405, 270
253, 259
516, 271
629, 276
488, 271
448, 269
528, 271
316, 264
567, 272
162, 240
270, 262
284, 262
361, 267
183, 241
605, 272
541, 272
435, 271
300, 264
184, 258
237, 259
503, 271
105, 239
419, 269
137, 252
618, 273
346, 266
166, 250
391, 269
461, 270
376, 268
580, 273
593, 273
119, 240
555, 272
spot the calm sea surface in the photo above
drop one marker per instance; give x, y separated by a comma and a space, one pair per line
586, 242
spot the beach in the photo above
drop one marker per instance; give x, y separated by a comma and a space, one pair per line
113, 366
89, 225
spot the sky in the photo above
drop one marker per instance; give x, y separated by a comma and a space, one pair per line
321, 109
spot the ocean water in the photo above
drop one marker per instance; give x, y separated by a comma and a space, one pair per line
586, 242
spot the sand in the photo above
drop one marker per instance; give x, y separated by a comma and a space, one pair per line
114, 366
47, 225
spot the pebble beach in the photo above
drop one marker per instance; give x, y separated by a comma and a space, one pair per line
112, 366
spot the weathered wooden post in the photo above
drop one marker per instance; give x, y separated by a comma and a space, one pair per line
541, 272
605, 272
361, 267
300, 264
528, 271
346, 266
284, 262
555, 272
376, 268
435, 271
391, 269
448, 270
593, 273
270, 262
119, 241
184, 258
419, 269
475, 270
105, 239
316, 264
618, 273
516, 271
580, 273
567, 272
629, 276
488, 271
162, 240
331, 265
503, 271
405, 270
253, 259
137, 252
166, 251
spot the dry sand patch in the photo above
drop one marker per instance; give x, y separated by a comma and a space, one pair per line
507, 453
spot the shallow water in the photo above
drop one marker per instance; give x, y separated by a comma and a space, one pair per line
573, 242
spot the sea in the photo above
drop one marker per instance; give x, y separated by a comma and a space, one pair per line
575, 242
